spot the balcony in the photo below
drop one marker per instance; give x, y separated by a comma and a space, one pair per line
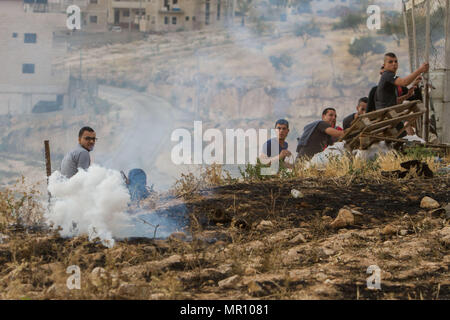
54, 6
170, 10
128, 4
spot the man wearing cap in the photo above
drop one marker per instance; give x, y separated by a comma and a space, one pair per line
268, 153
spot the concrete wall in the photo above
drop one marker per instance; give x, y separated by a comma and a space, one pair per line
99, 10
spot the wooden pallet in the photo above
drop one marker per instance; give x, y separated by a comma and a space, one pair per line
381, 123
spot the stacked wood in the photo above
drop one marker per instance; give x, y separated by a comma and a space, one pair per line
381, 124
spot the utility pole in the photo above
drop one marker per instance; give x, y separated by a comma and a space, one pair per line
129, 19
81, 58
446, 106
405, 23
427, 74
420, 121
140, 15
416, 56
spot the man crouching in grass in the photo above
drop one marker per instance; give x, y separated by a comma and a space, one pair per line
79, 157
268, 153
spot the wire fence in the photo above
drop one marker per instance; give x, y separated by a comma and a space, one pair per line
437, 32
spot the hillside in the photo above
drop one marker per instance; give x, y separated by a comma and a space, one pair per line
255, 241
223, 77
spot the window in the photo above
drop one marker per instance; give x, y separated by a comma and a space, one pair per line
166, 20
93, 1
193, 18
126, 13
93, 19
14, 35
218, 9
30, 38
174, 20
175, 1
28, 68
187, 18
207, 13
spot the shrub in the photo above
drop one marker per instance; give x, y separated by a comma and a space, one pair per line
19, 205
284, 60
307, 31
362, 47
349, 21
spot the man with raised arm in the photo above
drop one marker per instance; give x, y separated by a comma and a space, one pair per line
387, 92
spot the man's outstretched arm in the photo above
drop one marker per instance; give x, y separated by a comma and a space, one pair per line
410, 78
334, 133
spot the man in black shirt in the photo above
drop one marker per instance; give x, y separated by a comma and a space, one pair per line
387, 91
360, 108
371, 103
318, 135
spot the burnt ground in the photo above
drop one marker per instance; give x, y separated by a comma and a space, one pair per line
255, 240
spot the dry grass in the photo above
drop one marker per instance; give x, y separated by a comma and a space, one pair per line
20, 204
327, 264
206, 177
350, 167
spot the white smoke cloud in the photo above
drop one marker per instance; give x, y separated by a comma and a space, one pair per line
95, 203
92, 202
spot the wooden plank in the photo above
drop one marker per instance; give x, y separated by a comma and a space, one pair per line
392, 114
380, 130
365, 142
397, 108
383, 122
395, 121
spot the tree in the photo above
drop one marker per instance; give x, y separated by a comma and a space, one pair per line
329, 52
350, 20
282, 61
362, 47
307, 31
243, 9
393, 26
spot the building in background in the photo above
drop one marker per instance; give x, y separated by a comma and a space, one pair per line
169, 15
28, 81
94, 13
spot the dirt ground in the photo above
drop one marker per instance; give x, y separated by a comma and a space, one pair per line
255, 241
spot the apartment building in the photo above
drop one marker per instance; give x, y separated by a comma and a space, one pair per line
27, 53
169, 15
94, 13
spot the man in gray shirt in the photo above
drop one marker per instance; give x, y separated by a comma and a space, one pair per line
79, 157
